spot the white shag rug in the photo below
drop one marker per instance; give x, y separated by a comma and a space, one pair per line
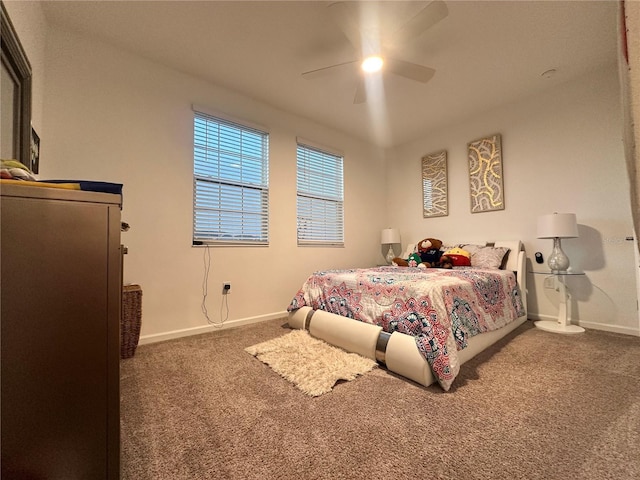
310, 364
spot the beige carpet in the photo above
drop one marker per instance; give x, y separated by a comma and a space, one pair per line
310, 364
535, 406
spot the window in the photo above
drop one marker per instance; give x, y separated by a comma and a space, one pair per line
320, 197
231, 182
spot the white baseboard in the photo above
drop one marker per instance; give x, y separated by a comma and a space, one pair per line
161, 337
592, 325
611, 328
186, 332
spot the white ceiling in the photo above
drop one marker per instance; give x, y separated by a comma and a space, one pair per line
485, 54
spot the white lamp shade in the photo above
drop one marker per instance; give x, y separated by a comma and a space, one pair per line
560, 225
390, 235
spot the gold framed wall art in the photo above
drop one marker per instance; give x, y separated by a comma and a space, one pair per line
485, 174
435, 200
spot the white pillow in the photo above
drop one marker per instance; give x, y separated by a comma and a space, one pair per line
486, 257
511, 260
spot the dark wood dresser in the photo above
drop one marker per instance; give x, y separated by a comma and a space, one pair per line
60, 314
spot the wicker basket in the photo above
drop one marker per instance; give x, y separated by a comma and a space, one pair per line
131, 320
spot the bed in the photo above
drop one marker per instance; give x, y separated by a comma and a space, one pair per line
421, 323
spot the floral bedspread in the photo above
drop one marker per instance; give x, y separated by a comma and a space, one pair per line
441, 308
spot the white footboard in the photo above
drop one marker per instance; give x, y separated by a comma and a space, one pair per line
397, 351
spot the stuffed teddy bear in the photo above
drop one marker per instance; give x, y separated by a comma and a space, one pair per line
429, 250
429, 255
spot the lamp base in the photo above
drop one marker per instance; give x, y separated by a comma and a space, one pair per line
555, 327
390, 255
558, 260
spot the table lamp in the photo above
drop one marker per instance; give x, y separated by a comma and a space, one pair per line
389, 237
557, 226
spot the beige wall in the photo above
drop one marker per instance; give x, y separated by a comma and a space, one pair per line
562, 152
116, 117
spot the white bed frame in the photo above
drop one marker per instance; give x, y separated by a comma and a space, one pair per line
399, 351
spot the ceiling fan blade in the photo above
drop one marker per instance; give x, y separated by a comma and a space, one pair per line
409, 70
361, 92
345, 18
320, 72
420, 22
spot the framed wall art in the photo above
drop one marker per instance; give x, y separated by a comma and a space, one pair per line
485, 174
434, 185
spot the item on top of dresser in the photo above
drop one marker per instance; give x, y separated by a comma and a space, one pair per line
14, 170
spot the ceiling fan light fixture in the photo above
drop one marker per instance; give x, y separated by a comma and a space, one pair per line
372, 64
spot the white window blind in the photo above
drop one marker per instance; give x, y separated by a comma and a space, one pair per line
231, 182
320, 197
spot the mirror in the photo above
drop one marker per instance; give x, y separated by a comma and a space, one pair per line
15, 91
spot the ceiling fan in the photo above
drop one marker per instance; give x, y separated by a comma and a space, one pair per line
373, 45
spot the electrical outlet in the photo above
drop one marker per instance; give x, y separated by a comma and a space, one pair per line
548, 282
226, 288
